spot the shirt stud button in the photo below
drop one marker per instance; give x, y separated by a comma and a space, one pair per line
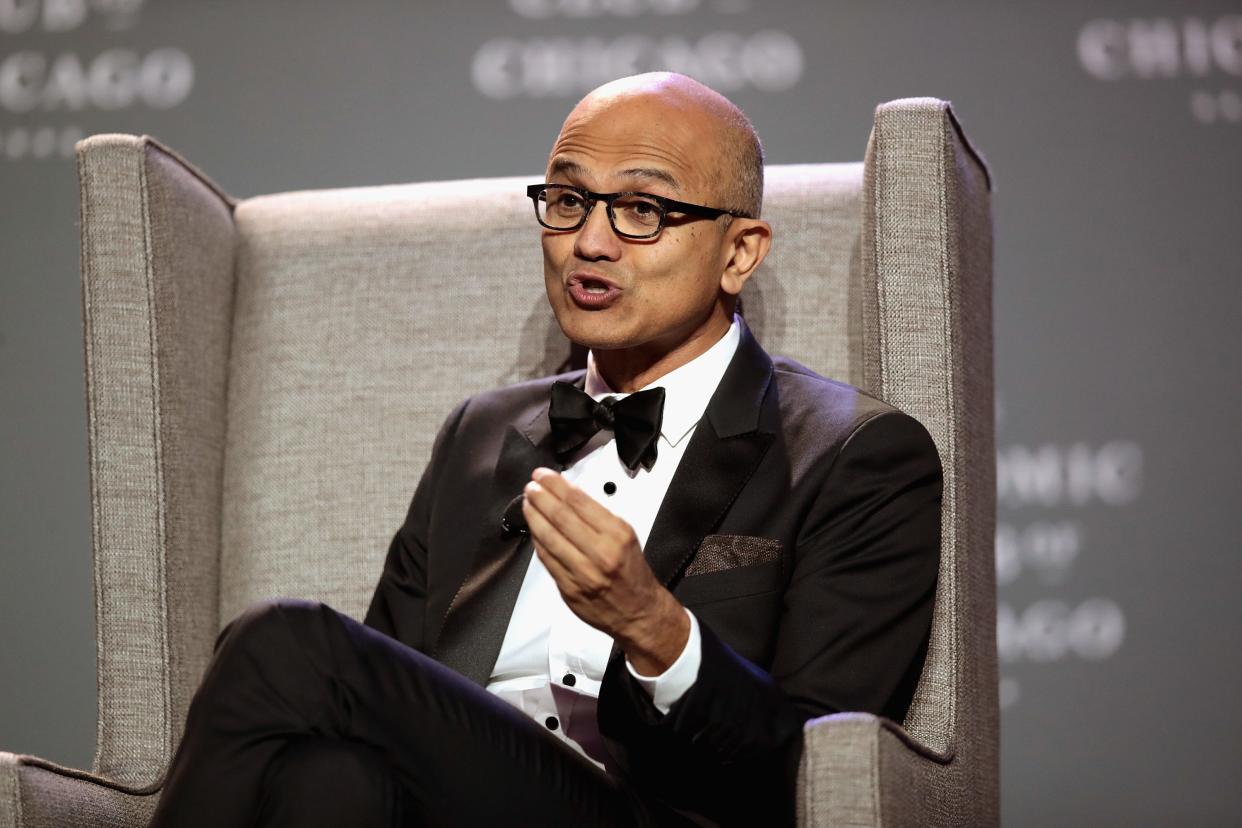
551, 723
610, 488
569, 680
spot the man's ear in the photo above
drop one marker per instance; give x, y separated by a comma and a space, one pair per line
744, 247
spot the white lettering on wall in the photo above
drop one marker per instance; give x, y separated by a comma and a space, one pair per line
113, 79
1072, 475
1224, 107
770, 61
17, 16
1111, 50
36, 82
543, 9
1052, 630
1056, 476
44, 142
1046, 548
1009, 693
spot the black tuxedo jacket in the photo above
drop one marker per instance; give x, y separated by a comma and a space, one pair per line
802, 528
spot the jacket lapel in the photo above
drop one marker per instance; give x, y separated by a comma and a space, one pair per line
735, 433
478, 616
738, 427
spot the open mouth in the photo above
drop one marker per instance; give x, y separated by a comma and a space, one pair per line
592, 292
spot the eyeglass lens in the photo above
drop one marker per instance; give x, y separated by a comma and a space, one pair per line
562, 208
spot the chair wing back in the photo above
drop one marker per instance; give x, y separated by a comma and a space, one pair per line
158, 244
927, 253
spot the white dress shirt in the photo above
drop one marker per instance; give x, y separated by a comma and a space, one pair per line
551, 663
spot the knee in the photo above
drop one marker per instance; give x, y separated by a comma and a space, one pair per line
263, 620
324, 781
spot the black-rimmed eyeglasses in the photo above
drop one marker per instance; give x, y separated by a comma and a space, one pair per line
633, 215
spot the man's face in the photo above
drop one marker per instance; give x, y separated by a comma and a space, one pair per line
611, 292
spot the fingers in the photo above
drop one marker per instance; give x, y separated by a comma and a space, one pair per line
559, 502
588, 510
554, 511
556, 569
550, 536
583, 520
575, 574
593, 556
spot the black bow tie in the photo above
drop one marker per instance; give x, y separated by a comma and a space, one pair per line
634, 420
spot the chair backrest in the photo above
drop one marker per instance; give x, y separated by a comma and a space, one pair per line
363, 316
265, 378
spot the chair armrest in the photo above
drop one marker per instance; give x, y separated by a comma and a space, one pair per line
859, 769
36, 793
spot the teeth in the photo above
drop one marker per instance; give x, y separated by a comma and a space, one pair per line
596, 289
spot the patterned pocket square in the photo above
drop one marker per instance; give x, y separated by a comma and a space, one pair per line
720, 552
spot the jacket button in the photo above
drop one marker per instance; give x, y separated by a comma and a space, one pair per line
569, 680
552, 723
610, 488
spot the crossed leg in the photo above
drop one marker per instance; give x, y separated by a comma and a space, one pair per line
306, 714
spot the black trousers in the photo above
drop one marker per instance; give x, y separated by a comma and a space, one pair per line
307, 717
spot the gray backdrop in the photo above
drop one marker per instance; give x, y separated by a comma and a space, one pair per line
1115, 134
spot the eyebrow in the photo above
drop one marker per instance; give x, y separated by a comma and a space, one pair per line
564, 166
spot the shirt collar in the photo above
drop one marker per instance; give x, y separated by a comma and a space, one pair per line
687, 389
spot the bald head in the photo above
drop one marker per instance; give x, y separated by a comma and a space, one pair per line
736, 177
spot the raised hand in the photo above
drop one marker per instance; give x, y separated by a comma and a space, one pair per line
597, 563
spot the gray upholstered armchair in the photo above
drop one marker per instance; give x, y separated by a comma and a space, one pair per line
264, 378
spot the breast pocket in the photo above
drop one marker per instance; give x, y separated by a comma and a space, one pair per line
732, 566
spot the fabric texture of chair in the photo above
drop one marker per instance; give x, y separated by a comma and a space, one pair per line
265, 377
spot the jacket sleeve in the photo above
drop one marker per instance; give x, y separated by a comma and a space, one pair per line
398, 606
852, 636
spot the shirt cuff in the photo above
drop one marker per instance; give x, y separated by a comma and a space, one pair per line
666, 688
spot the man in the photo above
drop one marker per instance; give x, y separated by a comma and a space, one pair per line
634, 583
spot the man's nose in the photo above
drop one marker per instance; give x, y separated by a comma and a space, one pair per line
596, 239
